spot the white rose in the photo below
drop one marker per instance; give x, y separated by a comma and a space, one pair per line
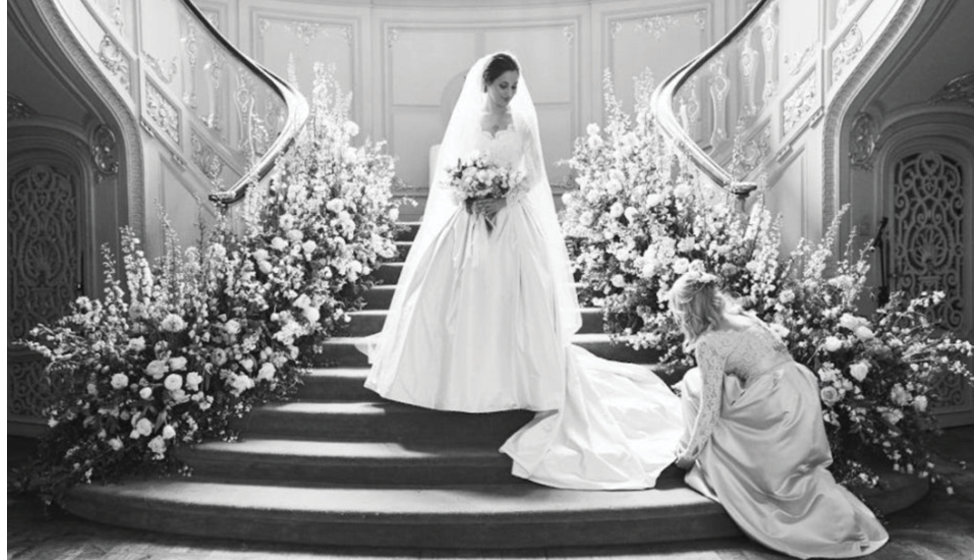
295, 235
311, 314
193, 380
631, 213
827, 374
613, 187
654, 199
393, 214
586, 218
592, 129
921, 403
616, 210
146, 393
265, 267
116, 444
829, 395
168, 432
119, 381
351, 128
618, 281
233, 327
173, 323
287, 221
144, 426
156, 369
864, 333
859, 371
173, 382
247, 363
685, 244
832, 344
787, 296
260, 255
309, 246
278, 243
892, 416
267, 372
157, 445
137, 344
178, 364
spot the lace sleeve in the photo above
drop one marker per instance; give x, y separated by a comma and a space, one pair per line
711, 362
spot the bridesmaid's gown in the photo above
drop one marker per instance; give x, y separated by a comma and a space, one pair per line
754, 422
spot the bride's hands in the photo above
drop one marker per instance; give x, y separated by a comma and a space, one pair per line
487, 206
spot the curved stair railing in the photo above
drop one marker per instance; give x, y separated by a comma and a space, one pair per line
221, 115
763, 91
707, 136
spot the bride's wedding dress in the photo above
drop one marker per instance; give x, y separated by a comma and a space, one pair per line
481, 321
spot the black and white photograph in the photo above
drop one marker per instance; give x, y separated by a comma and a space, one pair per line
484, 279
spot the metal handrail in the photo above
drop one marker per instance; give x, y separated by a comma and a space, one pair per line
297, 112
662, 101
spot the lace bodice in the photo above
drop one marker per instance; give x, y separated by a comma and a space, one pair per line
745, 352
506, 147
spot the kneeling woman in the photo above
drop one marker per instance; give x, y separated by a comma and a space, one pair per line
754, 438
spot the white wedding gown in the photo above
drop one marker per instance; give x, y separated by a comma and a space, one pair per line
475, 328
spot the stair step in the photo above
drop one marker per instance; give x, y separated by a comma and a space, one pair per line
370, 321
379, 297
341, 351
403, 247
382, 421
335, 384
321, 463
388, 273
515, 515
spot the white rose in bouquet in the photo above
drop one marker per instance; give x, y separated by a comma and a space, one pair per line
119, 381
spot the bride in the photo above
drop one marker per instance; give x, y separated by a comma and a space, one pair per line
485, 309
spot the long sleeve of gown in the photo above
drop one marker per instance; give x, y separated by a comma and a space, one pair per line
711, 362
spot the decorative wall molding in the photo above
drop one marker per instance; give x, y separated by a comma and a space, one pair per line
164, 71
162, 113
102, 145
797, 60
44, 20
114, 59
207, 160
18, 109
657, 25
845, 52
800, 103
848, 91
957, 90
864, 140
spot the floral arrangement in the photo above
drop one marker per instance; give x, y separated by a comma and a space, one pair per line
178, 349
173, 353
327, 220
637, 221
476, 177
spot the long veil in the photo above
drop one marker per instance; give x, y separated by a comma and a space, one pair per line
461, 138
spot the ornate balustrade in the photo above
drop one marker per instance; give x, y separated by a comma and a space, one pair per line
218, 113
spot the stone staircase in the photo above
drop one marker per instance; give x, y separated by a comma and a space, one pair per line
341, 466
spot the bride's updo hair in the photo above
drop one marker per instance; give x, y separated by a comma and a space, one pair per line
698, 304
499, 64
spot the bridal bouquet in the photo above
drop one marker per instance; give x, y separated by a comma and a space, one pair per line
476, 177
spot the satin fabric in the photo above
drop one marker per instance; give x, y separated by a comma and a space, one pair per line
616, 429
766, 464
476, 332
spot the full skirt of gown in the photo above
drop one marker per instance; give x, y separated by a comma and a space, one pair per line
477, 331
766, 463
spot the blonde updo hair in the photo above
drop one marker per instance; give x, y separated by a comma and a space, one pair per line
698, 304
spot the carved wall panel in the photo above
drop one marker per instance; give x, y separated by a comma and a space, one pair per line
930, 247
44, 268
656, 39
